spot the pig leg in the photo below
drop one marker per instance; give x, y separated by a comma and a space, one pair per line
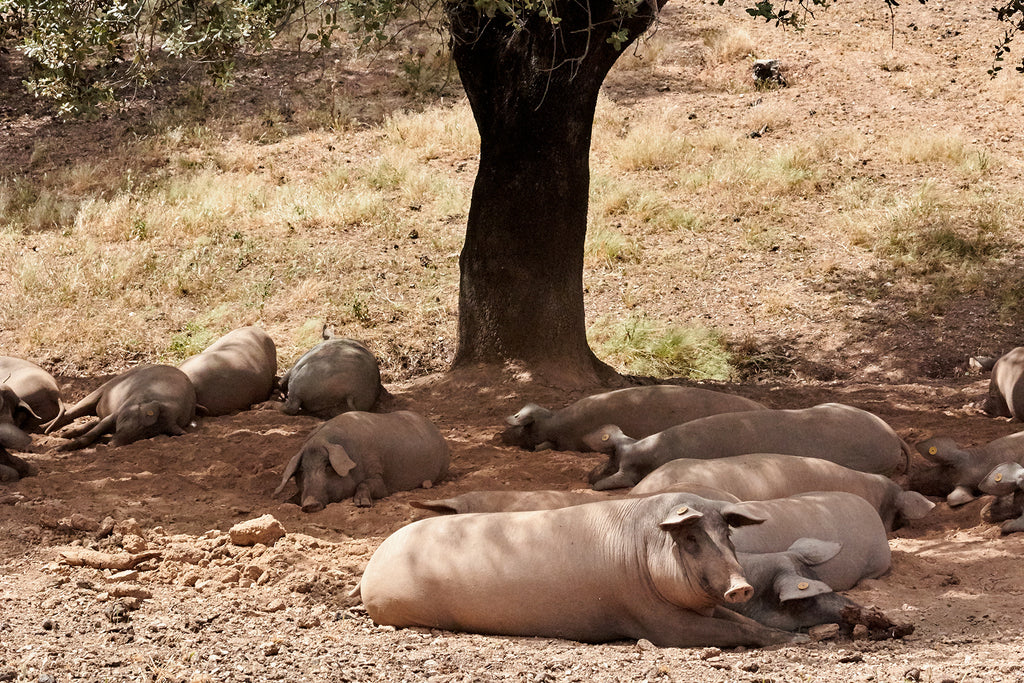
87, 406
1013, 526
724, 628
369, 489
8, 474
99, 429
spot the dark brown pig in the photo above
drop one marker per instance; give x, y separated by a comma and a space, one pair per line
763, 476
365, 456
637, 411
659, 567
334, 376
842, 434
1006, 388
35, 388
141, 403
234, 372
958, 470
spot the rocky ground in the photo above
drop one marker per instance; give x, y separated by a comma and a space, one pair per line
119, 564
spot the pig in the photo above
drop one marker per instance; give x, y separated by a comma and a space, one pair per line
842, 434
13, 468
637, 411
11, 407
763, 476
659, 567
364, 456
334, 376
141, 403
1006, 387
37, 390
509, 501
234, 372
788, 594
959, 470
1006, 480
834, 516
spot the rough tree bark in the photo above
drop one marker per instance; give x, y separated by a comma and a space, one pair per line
533, 90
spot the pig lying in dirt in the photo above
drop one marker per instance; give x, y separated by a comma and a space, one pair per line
659, 567
334, 376
365, 456
234, 372
141, 403
1006, 481
960, 470
842, 434
637, 411
35, 388
1006, 388
763, 476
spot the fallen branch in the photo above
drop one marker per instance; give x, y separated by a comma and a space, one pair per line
97, 560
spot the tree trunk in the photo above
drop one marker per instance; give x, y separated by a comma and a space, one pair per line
533, 92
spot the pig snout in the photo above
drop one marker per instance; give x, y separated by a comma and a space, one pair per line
310, 504
739, 590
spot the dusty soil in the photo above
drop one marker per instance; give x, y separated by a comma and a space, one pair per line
202, 608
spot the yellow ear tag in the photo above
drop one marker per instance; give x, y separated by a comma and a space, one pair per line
683, 510
933, 450
605, 437
999, 476
149, 412
803, 585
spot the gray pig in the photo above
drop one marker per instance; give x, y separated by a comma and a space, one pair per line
834, 516
36, 388
334, 376
842, 434
763, 476
141, 403
234, 372
637, 411
659, 568
788, 594
1006, 388
1006, 480
365, 456
959, 470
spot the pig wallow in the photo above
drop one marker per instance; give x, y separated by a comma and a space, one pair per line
365, 456
659, 568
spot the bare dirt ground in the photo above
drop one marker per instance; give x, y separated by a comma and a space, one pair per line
202, 608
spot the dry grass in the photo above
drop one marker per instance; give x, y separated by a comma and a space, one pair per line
744, 214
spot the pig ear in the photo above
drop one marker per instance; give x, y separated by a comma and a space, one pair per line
526, 415
340, 461
912, 505
738, 514
960, 495
289, 472
680, 515
943, 451
619, 480
792, 586
814, 551
445, 506
1003, 479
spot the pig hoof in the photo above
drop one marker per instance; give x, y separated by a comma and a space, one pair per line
363, 501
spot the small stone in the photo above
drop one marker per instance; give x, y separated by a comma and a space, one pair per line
275, 605
860, 631
127, 527
823, 631
48, 624
126, 575
134, 543
850, 657
80, 522
266, 530
912, 674
644, 644
227, 575
129, 590
46, 678
308, 621
105, 529
270, 648
710, 653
